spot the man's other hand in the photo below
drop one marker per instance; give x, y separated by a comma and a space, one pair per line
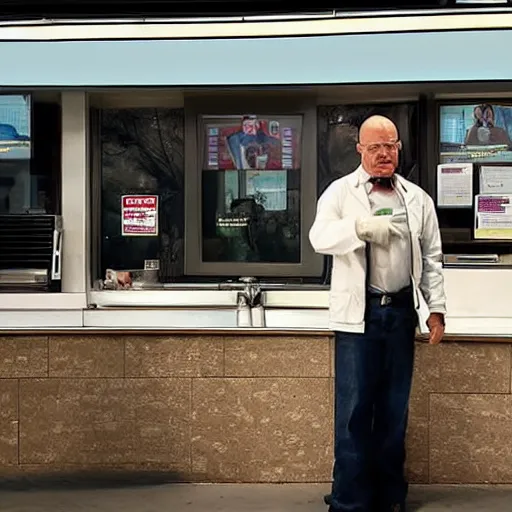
435, 323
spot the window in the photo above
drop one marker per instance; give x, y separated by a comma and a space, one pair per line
251, 189
224, 188
30, 227
250, 182
190, 195
338, 132
476, 135
142, 202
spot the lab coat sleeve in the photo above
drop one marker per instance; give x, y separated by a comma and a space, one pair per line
432, 280
330, 233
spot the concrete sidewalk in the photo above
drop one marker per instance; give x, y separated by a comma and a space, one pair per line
237, 498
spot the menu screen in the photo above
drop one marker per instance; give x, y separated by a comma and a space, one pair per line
252, 142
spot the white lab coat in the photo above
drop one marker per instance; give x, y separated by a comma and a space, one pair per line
334, 233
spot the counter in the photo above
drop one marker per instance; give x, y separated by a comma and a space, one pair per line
232, 406
478, 302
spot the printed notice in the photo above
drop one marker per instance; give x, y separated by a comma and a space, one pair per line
139, 215
493, 216
495, 180
455, 185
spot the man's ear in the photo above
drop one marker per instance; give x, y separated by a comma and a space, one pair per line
359, 148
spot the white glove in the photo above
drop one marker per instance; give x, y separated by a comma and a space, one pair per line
377, 229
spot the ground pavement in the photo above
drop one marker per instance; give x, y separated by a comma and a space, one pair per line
131, 497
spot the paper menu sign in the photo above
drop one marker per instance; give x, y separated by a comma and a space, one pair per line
139, 215
493, 216
455, 185
496, 180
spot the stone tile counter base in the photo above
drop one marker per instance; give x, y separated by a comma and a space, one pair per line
234, 408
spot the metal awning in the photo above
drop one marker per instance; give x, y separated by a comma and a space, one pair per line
310, 60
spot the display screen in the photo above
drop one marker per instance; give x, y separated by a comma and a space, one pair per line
251, 188
476, 132
248, 142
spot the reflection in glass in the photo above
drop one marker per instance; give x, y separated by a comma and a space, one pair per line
251, 189
15, 127
251, 221
18, 193
338, 132
142, 153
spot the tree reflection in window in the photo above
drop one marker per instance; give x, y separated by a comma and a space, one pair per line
338, 129
142, 152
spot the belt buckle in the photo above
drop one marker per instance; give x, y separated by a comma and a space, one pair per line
385, 300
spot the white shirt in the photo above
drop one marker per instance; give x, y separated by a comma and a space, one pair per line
389, 267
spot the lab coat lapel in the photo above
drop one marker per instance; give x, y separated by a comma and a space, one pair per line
357, 190
404, 189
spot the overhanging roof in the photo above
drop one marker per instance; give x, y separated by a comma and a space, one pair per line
333, 59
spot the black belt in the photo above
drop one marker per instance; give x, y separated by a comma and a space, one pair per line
403, 297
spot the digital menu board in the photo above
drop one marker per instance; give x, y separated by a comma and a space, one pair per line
252, 143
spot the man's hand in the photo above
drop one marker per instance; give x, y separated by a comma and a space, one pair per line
435, 324
377, 229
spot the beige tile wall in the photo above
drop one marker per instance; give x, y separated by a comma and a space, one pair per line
235, 408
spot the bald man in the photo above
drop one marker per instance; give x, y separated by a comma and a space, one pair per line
383, 234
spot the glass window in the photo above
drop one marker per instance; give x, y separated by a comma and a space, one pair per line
142, 176
30, 177
338, 132
30, 141
187, 197
18, 189
251, 188
477, 134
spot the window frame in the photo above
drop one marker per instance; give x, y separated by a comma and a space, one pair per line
434, 152
311, 264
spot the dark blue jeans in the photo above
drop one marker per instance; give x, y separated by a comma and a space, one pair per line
372, 387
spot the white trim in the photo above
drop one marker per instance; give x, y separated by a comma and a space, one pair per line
311, 299
484, 294
163, 298
75, 192
38, 319
237, 27
201, 319
478, 305
471, 326
160, 318
157, 319
298, 318
43, 301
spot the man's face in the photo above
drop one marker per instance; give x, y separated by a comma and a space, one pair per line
488, 117
379, 147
